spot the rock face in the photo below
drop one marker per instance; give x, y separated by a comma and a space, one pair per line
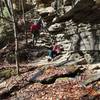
56, 27
82, 36
80, 10
79, 26
81, 21
46, 10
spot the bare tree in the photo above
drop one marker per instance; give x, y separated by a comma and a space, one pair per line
16, 40
1, 10
22, 3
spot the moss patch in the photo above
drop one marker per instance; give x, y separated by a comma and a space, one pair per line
7, 73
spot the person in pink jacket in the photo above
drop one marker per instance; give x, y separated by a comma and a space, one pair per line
54, 51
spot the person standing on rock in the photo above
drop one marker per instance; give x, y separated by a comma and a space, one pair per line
36, 27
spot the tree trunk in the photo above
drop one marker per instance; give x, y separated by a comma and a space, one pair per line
7, 5
16, 40
1, 10
22, 3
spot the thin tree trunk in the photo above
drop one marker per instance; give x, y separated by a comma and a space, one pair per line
6, 3
1, 10
16, 40
24, 20
1, 4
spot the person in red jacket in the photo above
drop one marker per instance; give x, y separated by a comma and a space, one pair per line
35, 29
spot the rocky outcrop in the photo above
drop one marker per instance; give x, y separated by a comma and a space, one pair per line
82, 36
79, 26
47, 10
56, 27
82, 10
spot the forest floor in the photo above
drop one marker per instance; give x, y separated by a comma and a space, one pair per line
43, 80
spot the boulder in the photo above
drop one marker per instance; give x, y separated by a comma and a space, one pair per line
47, 10
56, 27
67, 8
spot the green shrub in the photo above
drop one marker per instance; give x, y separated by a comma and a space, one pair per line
7, 73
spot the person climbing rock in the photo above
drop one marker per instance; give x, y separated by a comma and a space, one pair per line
54, 50
35, 28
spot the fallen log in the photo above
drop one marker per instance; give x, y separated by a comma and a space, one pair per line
52, 73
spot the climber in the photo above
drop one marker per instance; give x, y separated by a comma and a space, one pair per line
54, 50
35, 27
